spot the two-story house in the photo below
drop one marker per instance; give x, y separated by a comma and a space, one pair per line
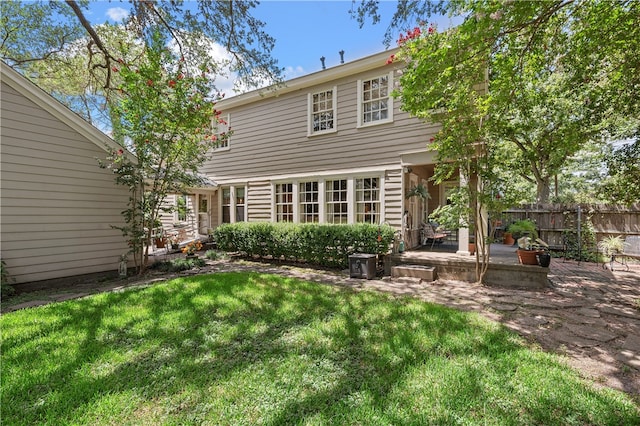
329, 147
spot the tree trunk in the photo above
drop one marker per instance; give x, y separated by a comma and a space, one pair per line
542, 190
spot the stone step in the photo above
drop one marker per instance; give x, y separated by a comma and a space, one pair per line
426, 273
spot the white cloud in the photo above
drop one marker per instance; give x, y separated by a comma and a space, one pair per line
117, 13
293, 72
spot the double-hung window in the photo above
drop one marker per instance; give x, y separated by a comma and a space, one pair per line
309, 204
375, 103
220, 125
240, 203
322, 111
284, 202
368, 200
226, 205
336, 201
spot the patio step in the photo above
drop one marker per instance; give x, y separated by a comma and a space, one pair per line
424, 272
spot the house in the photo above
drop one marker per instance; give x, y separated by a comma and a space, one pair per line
57, 204
329, 147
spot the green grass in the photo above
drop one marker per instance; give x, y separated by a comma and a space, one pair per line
240, 348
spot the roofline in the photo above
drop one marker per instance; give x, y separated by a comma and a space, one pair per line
359, 65
56, 108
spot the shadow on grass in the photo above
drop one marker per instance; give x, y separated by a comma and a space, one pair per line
243, 348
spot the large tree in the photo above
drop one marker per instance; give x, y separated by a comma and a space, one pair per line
38, 30
559, 71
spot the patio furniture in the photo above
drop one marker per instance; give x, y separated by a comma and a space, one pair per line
631, 250
429, 234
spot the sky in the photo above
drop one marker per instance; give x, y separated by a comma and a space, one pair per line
304, 31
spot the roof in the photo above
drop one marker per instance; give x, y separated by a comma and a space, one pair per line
376, 60
50, 104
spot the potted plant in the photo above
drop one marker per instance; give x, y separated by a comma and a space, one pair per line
544, 257
191, 248
523, 228
175, 242
529, 249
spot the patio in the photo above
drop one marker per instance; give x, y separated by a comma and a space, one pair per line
504, 269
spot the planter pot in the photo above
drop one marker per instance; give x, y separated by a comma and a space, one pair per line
527, 257
508, 239
175, 246
159, 242
191, 256
544, 259
472, 248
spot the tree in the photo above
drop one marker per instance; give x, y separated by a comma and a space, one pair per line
169, 121
34, 31
560, 71
623, 182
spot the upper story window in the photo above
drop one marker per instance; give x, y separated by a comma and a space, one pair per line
220, 123
375, 103
322, 111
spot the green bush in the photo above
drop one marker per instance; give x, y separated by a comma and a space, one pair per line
523, 227
6, 289
324, 245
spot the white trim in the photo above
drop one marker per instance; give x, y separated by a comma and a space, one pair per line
377, 60
315, 175
217, 133
389, 119
334, 101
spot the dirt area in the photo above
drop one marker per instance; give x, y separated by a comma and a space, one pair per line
589, 315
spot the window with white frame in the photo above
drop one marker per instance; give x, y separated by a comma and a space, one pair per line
308, 201
376, 104
336, 201
221, 126
226, 205
240, 203
368, 200
284, 202
322, 111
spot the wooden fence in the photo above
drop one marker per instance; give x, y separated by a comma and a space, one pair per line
554, 219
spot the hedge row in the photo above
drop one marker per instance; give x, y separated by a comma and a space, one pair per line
324, 245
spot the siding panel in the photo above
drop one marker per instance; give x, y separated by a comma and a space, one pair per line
57, 204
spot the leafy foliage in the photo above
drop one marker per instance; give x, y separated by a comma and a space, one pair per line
623, 183
325, 245
168, 120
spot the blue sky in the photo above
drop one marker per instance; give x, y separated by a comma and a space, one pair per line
304, 30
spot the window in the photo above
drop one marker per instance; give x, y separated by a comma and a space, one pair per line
221, 126
284, 202
376, 106
336, 199
226, 205
309, 206
322, 111
181, 208
368, 200
240, 204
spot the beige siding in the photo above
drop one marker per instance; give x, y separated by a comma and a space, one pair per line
57, 204
270, 137
259, 201
393, 198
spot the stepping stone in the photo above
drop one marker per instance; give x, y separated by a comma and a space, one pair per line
590, 332
425, 273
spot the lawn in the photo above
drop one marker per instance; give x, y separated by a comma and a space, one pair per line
242, 348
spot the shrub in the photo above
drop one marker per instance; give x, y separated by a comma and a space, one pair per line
324, 245
6, 289
214, 255
524, 227
177, 265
